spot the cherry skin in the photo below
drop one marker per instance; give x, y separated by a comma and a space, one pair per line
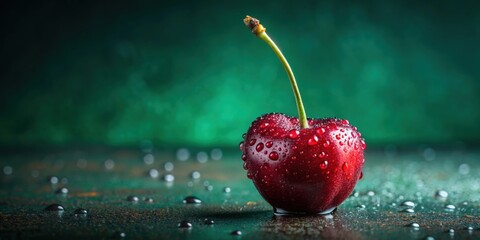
310, 170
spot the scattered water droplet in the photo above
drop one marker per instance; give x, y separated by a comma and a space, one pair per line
252, 141
119, 234
209, 188
449, 207
184, 224
183, 154
7, 170
153, 173
332, 126
202, 157
441, 194
249, 175
192, 200
168, 178
259, 147
216, 154
148, 159
323, 165
326, 144
52, 179
55, 207
361, 176
244, 157
293, 158
414, 225
345, 122
269, 144
109, 164
264, 125
338, 137
80, 211
168, 166
244, 135
313, 140
208, 221
240, 145
293, 134
148, 200
322, 155
195, 175
227, 189
273, 156
363, 144
361, 206
62, 191
408, 210
236, 233
464, 169
408, 204
132, 198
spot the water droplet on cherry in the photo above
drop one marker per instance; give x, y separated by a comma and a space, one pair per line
322, 155
244, 157
259, 147
269, 144
273, 156
345, 122
323, 165
252, 141
240, 145
293, 134
313, 140
326, 144
320, 131
361, 176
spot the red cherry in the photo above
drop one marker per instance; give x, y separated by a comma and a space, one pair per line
301, 165
299, 182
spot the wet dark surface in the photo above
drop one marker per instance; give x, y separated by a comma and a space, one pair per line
130, 193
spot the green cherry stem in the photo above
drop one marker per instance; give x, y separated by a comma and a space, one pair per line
259, 31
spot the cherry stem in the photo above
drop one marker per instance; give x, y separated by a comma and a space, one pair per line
259, 31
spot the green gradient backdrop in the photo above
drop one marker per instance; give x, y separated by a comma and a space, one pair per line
191, 73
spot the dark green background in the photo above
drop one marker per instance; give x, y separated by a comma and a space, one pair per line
190, 73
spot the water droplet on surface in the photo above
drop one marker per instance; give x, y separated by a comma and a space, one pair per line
293, 158
236, 233
449, 207
451, 231
363, 144
414, 225
429, 238
55, 207
252, 141
244, 157
408, 204
148, 200
209, 188
244, 135
153, 173
345, 122
132, 198
464, 169
7, 170
208, 221
269, 144
441, 194
408, 210
249, 175
273, 156
202, 157
313, 140
184, 224
345, 166
52, 179
148, 159
326, 144
168, 178
109, 164
361, 206
322, 155
195, 175
227, 189
216, 154
259, 147
80, 211
323, 165
192, 200
62, 191
361, 176
240, 145
320, 131
332, 126
338, 137
118, 234
183, 154
168, 166
264, 125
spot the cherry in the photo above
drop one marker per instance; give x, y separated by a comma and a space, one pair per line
301, 165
